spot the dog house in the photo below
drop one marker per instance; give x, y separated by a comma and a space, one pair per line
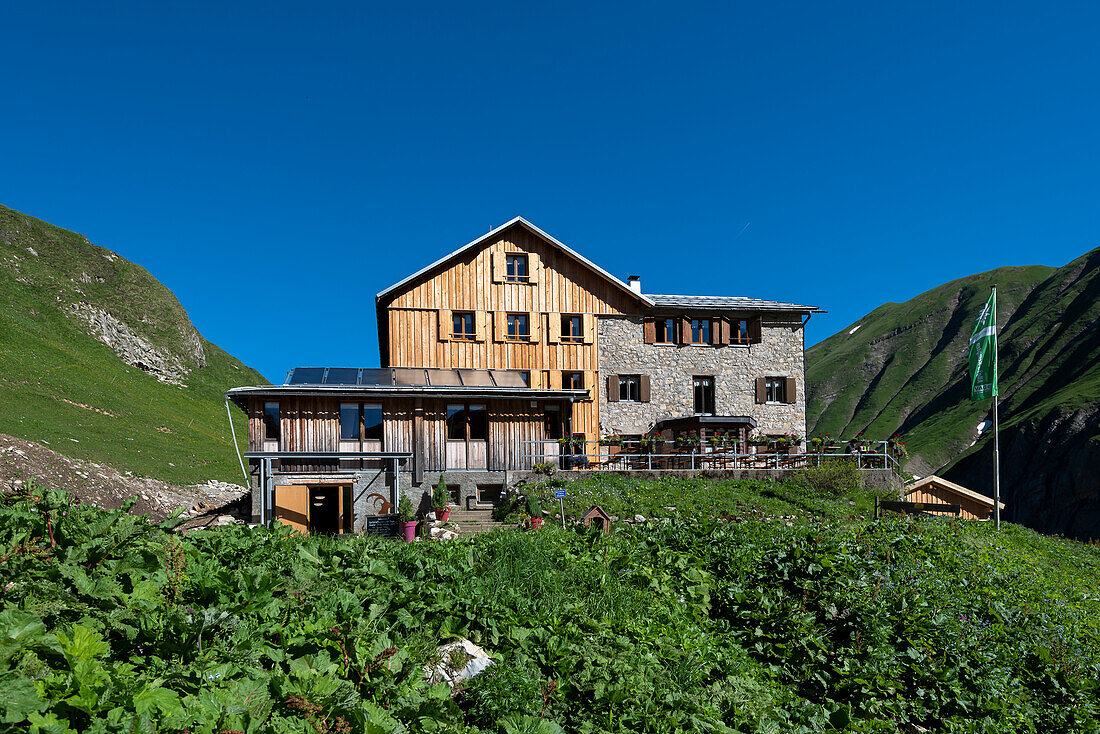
595, 517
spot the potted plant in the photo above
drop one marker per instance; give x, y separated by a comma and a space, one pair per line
440, 498
897, 448
534, 509
820, 443
758, 442
688, 440
651, 442
407, 515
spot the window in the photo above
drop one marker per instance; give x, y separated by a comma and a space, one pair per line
372, 422
572, 380
525, 375
552, 421
666, 331
516, 268
571, 328
349, 421
628, 387
467, 422
700, 331
704, 395
518, 328
271, 421
739, 331
775, 389
463, 325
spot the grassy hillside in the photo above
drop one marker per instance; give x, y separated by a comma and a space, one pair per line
62, 386
902, 367
793, 617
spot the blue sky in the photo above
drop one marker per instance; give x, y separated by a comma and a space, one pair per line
276, 165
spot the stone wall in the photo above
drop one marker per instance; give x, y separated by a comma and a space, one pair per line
671, 369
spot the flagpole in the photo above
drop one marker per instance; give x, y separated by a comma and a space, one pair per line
996, 427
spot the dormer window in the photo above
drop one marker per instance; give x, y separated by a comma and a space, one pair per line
516, 268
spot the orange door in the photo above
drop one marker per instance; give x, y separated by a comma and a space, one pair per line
292, 506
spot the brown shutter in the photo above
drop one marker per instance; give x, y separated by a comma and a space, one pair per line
643, 388
534, 325
754, 330
446, 325
716, 331
685, 331
555, 380
499, 267
649, 329
588, 328
534, 267
724, 324
612, 388
790, 390
553, 332
761, 391
481, 325
500, 325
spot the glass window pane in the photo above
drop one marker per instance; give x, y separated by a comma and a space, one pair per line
349, 421
271, 421
479, 423
704, 331
372, 422
456, 422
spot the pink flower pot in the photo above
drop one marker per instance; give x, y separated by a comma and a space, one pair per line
408, 530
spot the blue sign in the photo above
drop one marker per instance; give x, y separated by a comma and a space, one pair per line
559, 494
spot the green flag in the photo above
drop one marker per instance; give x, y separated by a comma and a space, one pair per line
983, 352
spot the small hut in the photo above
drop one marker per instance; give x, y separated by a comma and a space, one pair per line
936, 490
595, 517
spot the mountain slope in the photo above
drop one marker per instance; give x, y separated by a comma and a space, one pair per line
99, 361
912, 358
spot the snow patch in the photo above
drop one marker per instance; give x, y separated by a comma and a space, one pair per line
983, 427
854, 329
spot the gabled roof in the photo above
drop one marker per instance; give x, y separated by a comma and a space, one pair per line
941, 483
728, 303
524, 223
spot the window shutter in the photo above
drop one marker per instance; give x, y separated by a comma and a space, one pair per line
643, 388
553, 332
649, 329
534, 267
534, 325
612, 388
761, 391
588, 328
499, 267
500, 325
685, 331
555, 380
724, 325
535, 381
716, 331
754, 330
481, 325
446, 325
790, 390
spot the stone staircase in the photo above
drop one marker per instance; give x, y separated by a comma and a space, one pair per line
474, 521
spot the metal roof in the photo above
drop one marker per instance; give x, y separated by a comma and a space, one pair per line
377, 377
728, 303
493, 232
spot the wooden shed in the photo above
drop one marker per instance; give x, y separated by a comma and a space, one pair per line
595, 517
936, 490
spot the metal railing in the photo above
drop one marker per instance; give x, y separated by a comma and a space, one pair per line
633, 456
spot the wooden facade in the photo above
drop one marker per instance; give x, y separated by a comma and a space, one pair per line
415, 319
935, 490
418, 426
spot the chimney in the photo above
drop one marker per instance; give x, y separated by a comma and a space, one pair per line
635, 283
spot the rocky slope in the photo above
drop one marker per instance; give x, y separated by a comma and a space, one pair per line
911, 359
100, 363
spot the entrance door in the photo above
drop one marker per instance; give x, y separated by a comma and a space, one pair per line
292, 506
467, 437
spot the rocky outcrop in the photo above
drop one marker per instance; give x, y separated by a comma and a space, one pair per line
137, 351
1049, 478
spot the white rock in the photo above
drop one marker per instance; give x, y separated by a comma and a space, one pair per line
458, 661
639, 518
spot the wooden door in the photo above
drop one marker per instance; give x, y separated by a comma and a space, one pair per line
292, 506
477, 456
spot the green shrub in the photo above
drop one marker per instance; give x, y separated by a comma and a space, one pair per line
514, 686
441, 496
832, 479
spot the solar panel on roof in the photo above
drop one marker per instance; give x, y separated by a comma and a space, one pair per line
443, 377
479, 378
342, 376
504, 378
377, 376
410, 376
306, 376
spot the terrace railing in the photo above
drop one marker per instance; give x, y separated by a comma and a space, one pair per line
633, 456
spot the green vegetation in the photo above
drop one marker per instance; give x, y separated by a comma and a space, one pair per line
822, 624
64, 388
904, 369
